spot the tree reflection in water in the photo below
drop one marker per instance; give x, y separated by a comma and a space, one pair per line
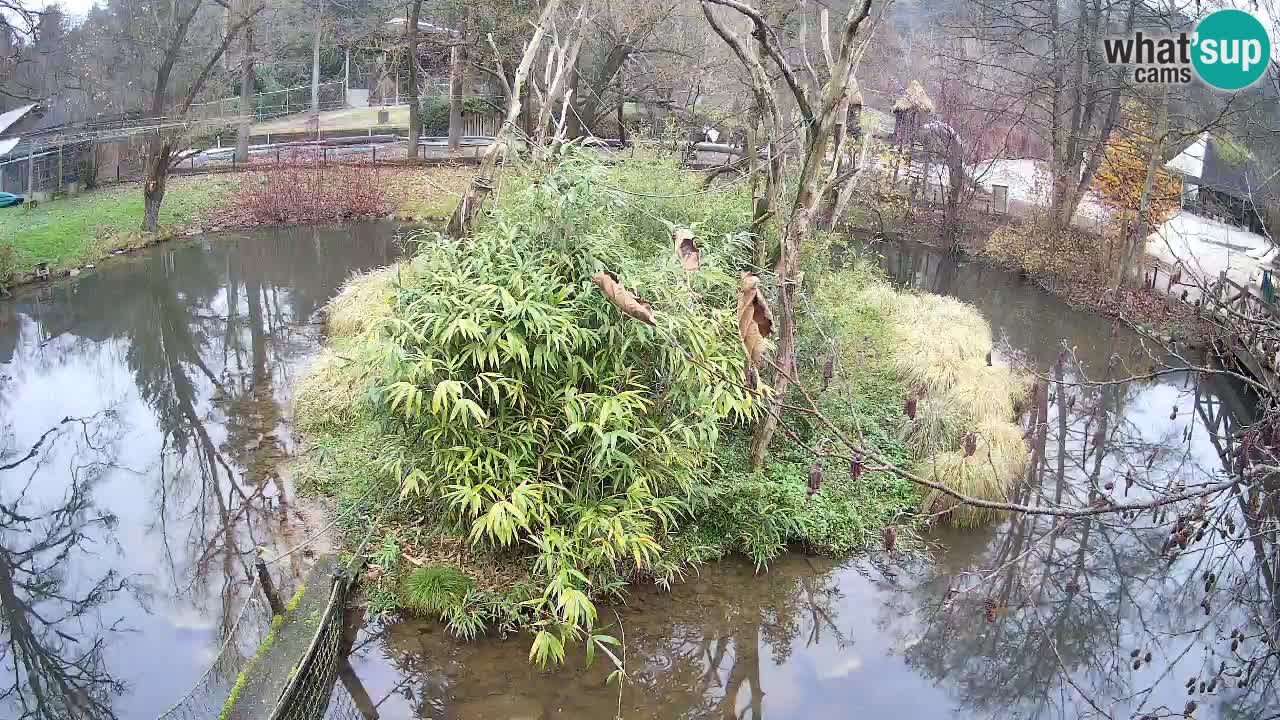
54, 635
192, 347
1057, 617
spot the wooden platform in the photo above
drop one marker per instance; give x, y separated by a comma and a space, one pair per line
1257, 353
270, 672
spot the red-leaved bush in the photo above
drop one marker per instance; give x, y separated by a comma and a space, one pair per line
302, 190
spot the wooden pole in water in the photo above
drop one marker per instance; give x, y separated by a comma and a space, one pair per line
268, 588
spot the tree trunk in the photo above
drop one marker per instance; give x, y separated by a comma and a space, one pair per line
315, 67
463, 218
1133, 247
456, 70
153, 186
573, 123
795, 235
415, 111
247, 82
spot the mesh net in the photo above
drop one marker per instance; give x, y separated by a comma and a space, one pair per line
311, 685
206, 698
311, 692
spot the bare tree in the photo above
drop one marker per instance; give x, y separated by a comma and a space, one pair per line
1046, 56
50, 650
173, 27
248, 83
415, 106
819, 106
471, 202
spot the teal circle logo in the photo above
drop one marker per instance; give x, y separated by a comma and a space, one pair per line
1232, 50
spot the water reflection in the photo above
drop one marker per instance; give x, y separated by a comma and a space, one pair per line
1037, 618
126, 534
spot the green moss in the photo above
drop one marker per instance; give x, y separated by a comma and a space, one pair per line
264, 647
293, 601
1231, 152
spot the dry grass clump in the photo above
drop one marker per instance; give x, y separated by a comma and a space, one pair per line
329, 392
364, 301
940, 349
972, 476
940, 340
882, 299
990, 473
935, 428
983, 392
1000, 443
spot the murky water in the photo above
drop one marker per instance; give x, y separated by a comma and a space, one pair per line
1036, 618
126, 537
142, 417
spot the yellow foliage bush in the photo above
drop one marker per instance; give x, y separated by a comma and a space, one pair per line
1039, 250
1122, 177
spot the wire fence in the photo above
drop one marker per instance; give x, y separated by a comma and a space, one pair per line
312, 680
206, 698
72, 168
311, 691
275, 103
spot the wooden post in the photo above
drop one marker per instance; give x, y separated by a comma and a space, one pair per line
31, 174
268, 588
455, 93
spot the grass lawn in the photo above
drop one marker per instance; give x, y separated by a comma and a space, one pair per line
346, 119
72, 231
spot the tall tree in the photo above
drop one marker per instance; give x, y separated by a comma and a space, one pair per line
172, 50
415, 107
819, 105
1045, 55
248, 84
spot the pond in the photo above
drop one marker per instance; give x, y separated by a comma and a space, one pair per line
1034, 618
160, 385
142, 418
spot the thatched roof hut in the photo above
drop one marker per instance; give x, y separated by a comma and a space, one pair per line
855, 97
914, 100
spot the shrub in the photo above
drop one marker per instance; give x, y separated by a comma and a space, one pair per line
436, 588
1037, 249
302, 191
522, 407
435, 113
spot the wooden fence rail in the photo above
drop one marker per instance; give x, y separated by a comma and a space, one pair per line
1255, 347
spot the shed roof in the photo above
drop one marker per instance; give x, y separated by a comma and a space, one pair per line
1230, 169
13, 116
